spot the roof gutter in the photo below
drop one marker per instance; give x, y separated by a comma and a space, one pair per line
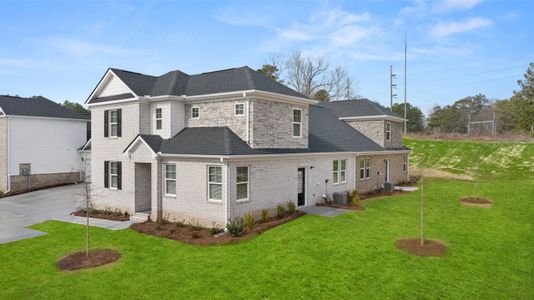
375, 117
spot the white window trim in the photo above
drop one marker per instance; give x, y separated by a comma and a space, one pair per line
235, 109
388, 132
110, 175
168, 179
293, 123
360, 168
405, 164
113, 123
248, 185
192, 108
339, 172
209, 182
160, 118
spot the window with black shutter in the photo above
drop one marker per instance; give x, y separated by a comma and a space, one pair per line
106, 174
106, 123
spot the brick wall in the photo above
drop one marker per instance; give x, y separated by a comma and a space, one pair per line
396, 135
373, 129
217, 114
378, 166
21, 183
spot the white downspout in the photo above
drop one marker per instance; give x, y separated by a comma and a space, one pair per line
7, 154
248, 122
226, 189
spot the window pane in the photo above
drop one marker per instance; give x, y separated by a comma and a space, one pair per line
362, 173
170, 187
158, 124
114, 181
242, 192
368, 172
113, 129
242, 174
336, 167
343, 164
239, 109
170, 171
113, 168
336, 179
158, 113
342, 176
297, 115
113, 116
296, 129
215, 191
362, 163
194, 112
215, 174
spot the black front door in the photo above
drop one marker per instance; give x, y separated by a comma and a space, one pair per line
302, 186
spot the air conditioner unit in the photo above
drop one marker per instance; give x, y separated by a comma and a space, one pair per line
388, 187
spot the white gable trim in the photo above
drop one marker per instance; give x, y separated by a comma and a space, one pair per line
104, 80
135, 144
2, 112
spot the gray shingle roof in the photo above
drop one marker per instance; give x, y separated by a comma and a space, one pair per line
358, 108
178, 83
326, 134
36, 107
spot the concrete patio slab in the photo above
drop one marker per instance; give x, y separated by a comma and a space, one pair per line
323, 211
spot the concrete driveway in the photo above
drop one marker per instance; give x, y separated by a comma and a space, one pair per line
20, 211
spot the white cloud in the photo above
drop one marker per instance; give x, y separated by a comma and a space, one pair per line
443, 29
456, 4
294, 35
422, 8
241, 17
350, 35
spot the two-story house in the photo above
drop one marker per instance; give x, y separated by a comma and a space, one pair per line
217, 145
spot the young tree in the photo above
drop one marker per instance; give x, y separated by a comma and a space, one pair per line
270, 71
322, 95
76, 107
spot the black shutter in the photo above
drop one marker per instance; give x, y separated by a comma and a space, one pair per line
106, 174
119, 175
106, 123
119, 122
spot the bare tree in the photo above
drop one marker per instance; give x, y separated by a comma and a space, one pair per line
87, 198
306, 74
341, 86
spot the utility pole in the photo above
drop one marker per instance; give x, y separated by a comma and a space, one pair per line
405, 62
493, 128
392, 86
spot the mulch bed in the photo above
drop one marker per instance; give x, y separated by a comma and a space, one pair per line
96, 258
429, 248
474, 201
204, 236
101, 214
343, 206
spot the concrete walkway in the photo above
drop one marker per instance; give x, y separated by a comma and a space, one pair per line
20, 211
323, 211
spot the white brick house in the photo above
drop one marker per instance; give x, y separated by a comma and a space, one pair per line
213, 146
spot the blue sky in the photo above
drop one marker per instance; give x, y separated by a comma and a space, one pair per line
456, 48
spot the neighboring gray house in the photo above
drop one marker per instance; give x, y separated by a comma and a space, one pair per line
39, 141
217, 145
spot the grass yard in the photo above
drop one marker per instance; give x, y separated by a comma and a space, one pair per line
352, 256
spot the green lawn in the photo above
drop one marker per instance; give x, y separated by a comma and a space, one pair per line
352, 256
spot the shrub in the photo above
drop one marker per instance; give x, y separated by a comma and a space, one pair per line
280, 211
355, 198
195, 225
180, 224
163, 220
158, 227
215, 229
249, 221
291, 207
265, 215
235, 226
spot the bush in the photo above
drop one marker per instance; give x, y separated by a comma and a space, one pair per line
235, 226
163, 220
355, 198
291, 207
265, 215
195, 225
249, 221
280, 211
180, 224
215, 229
158, 227
414, 180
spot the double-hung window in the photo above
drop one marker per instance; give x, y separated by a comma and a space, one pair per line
297, 122
159, 118
242, 183
388, 131
405, 164
362, 168
170, 179
215, 183
195, 112
367, 168
239, 109
113, 123
339, 168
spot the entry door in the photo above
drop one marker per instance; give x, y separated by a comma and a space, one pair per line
302, 187
386, 163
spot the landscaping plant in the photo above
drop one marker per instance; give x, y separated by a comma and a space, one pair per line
355, 197
280, 211
291, 207
235, 226
265, 216
249, 221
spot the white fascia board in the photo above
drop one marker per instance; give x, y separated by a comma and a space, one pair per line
281, 97
49, 118
163, 98
114, 102
104, 79
370, 118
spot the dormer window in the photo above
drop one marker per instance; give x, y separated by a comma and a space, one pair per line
159, 119
297, 122
195, 112
239, 109
388, 131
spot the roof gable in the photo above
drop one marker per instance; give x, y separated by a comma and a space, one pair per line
358, 108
